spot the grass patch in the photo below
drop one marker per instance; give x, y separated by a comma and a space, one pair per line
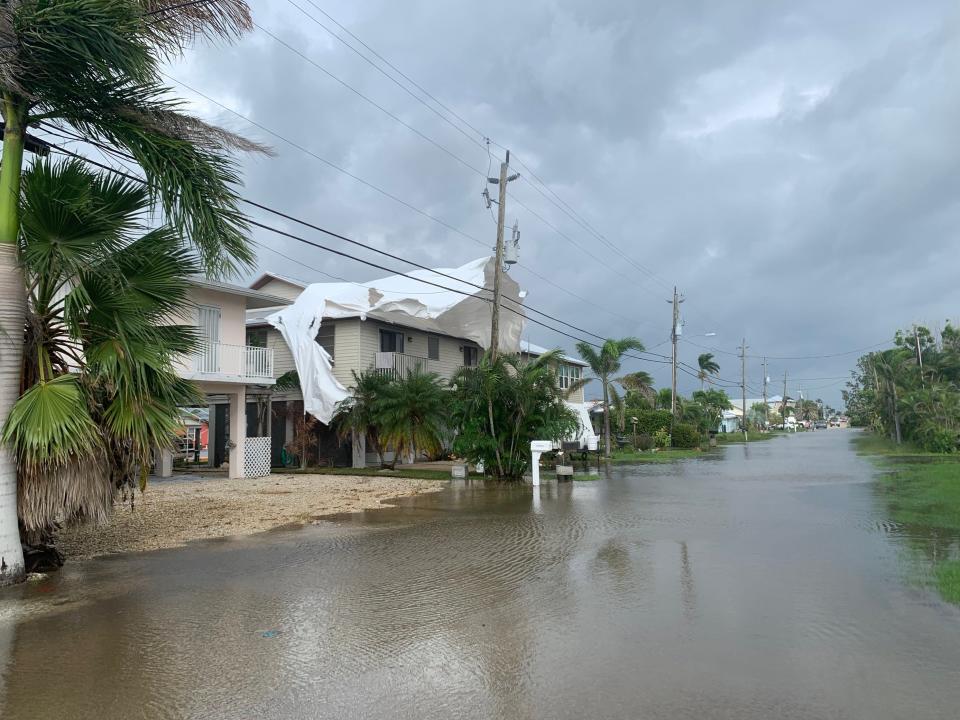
752, 436
660, 456
921, 492
868, 443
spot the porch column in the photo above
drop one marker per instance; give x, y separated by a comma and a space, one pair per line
211, 435
359, 442
164, 462
238, 430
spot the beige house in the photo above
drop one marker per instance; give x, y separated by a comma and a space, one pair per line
355, 345
230, 372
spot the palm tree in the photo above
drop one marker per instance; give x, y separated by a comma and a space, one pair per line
708, 367
410, 413
502, 404
640, 382
91, 70
357, 415
99, 387
605, 363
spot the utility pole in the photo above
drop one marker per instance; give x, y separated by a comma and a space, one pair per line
766, 408
743, 385
783, 405
498, 270
674, 336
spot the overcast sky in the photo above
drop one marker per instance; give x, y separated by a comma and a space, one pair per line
792, 167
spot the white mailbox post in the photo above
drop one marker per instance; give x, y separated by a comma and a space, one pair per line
537, 448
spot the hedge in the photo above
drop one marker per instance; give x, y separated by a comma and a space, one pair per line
649, 421
685, 436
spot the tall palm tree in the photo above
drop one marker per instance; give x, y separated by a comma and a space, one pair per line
604, 364
410, 413
99, 385
91, 68
708, 367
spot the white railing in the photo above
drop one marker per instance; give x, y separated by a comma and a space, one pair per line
243, 361
398, 364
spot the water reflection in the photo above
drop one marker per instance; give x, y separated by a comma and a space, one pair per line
752, 584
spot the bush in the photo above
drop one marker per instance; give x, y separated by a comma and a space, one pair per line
661, 438
937, 440
649, 421
685, 436
644, 442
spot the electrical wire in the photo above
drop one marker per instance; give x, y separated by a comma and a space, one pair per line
369, 263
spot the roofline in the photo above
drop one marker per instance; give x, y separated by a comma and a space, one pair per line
267, 276
263, 300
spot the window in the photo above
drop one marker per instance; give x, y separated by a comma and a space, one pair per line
391, 341
326, 338
257, 337
469, 356
433, 347
569, 375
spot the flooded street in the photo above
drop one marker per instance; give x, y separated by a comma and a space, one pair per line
759, 582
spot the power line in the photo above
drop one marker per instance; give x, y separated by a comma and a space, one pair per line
403, 202
460, 160
370, 263
377, 105
387, 75
558, 202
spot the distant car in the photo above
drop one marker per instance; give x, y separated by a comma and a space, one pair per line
820, 425
834, 422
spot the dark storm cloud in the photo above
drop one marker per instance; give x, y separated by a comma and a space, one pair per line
792, 167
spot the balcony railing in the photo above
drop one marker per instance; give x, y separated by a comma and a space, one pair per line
398, 364
242, 361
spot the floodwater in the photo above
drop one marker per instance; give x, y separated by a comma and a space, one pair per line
762, 582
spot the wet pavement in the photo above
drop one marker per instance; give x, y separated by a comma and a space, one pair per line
760, 582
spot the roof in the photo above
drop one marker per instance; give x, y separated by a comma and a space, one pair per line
268, 276
255, 299
530, 349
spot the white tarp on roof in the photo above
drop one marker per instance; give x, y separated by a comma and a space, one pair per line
399, 299
585, 434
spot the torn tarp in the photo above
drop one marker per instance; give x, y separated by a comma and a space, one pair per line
459, 309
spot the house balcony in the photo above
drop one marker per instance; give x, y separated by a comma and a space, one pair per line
398, 365
219, 362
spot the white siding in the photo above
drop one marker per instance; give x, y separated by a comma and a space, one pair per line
281, 288
282, 357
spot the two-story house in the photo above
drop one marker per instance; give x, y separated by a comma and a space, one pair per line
231, 373
387, 341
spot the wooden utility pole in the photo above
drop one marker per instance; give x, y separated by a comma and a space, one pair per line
783, 405
743, 385
766, 408
498, 270
674, 336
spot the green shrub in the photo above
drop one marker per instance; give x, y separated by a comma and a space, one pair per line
661, 438
937, 439
685, 436
649, 421
644, 442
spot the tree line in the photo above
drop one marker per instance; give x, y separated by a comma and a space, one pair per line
910, 392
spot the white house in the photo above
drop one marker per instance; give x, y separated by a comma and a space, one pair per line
230, 372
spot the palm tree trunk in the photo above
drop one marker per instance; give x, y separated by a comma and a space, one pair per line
606, 419
493, 434
12, 314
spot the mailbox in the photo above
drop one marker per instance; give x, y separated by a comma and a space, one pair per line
541, 445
